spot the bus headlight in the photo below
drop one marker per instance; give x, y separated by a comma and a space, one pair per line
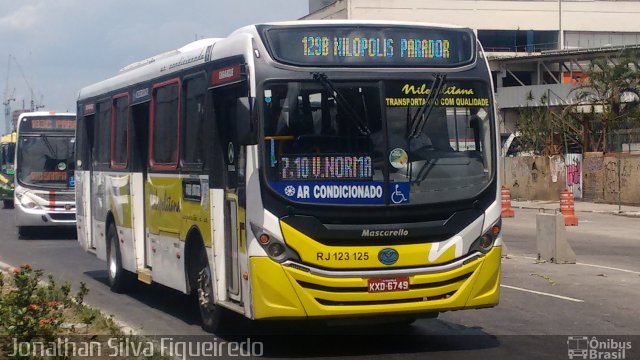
273, 246
485, 242
27, 202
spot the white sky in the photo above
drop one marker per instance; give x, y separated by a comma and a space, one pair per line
64, 45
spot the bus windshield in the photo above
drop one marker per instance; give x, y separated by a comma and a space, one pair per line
394, 142
8, 152
45, 160
11, 152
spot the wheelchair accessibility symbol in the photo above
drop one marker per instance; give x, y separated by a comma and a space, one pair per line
400, 193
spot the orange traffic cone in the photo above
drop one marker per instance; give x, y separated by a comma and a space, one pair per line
507, 210
567, 208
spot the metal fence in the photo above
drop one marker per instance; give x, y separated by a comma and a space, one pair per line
623, 141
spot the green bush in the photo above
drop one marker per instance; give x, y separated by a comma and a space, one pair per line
33, 311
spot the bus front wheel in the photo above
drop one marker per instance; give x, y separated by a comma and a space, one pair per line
8, 204
25, 232
210, 314
119, 279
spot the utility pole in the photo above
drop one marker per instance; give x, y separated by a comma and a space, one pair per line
560, 30
7, 99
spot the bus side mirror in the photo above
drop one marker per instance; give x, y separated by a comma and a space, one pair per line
246, 129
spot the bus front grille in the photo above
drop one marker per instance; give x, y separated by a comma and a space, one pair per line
62, 216
385, 302
354, 291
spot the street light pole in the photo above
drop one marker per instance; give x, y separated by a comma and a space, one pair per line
561, 32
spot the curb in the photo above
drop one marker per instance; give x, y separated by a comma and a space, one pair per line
629, 215
632, 214
127, 329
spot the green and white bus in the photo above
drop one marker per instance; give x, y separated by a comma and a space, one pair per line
305, 169
7, 154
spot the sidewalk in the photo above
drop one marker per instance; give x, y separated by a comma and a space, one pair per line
580, 206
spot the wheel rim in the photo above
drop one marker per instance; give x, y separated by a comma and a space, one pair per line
205, 291
113, 266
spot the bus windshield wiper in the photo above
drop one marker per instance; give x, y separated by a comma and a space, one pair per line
419, 119
342, 101
46, 142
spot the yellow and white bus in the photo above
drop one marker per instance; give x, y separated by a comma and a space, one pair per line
44, 177
299, 170
7, 155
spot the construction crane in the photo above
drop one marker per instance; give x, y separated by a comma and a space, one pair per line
7, 99
34, 106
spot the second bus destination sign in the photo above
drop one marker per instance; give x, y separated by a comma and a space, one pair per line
369, 46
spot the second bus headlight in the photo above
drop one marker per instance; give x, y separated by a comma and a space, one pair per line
27, 202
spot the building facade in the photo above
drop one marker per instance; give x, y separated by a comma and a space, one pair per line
507, 25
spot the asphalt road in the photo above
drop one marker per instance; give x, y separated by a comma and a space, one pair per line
541, 304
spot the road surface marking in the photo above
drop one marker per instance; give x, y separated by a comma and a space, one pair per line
584, 264
542, 293
610, 268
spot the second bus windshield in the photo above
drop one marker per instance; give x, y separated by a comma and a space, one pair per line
375, 142
45, 160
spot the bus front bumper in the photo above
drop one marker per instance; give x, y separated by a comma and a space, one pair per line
40, 217
282, 291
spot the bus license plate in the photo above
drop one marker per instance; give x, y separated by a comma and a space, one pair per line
389, 284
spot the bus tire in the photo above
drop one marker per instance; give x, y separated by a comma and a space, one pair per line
211, 315
402, 324
24, 232
8, 204
120, 280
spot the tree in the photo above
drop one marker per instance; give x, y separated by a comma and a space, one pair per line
543, 130
533, 126
609, 99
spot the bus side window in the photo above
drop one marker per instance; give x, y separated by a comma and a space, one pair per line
139, 137
120, 138
102, 135
224, 103
85, 141
193, 137
164, 126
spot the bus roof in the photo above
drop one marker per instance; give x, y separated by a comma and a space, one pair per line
44, 113
191, 54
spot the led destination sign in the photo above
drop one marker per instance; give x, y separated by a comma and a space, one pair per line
293, 167
41, 124
375, 47
371, 46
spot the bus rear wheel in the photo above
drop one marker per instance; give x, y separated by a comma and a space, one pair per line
120, 280
210, 314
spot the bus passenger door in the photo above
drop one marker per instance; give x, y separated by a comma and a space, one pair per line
231, 180
83, 177
139, 142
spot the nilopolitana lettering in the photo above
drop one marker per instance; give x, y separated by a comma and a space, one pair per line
164, 203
